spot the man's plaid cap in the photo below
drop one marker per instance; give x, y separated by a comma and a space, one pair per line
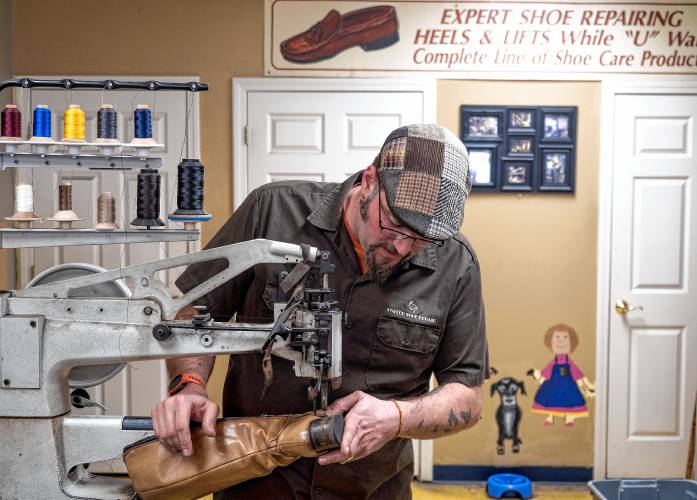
424, 170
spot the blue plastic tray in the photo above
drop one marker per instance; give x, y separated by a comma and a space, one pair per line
644, 489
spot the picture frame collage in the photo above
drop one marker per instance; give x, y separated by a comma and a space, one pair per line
520, 148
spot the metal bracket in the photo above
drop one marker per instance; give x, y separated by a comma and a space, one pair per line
20, 351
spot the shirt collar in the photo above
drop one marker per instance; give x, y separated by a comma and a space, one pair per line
327, 215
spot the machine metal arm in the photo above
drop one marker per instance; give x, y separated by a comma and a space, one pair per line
240, 257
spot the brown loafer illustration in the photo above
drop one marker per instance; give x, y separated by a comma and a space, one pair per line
372, 28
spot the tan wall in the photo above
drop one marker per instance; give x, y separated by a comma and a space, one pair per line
6, 184
537, 251
538, 257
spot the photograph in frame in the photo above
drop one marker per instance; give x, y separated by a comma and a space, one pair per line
557, 126
482, 126
556, 169
516, 175
483, 164
521, 145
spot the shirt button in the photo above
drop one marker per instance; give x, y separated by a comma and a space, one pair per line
349, 324
318, 490
405, 343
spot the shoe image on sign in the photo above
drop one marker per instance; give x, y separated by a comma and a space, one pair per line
372, 28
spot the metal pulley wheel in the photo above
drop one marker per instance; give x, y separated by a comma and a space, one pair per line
85, 376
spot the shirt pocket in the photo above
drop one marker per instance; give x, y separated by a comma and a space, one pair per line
401, 356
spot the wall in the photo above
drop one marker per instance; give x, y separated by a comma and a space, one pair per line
6, 184
537, 251
538, 258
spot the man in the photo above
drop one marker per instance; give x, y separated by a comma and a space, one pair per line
409, 286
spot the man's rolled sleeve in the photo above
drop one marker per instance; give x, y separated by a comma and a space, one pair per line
224, 301
463, 354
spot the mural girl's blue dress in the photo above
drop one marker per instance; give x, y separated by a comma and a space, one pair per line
559, 394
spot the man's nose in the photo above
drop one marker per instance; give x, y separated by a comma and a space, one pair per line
403, 247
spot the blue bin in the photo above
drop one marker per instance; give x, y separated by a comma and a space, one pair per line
644, 489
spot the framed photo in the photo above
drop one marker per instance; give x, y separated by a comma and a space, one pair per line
521, 145
557, 169
481, 124
558, 125
483, 162
516, 174
521, 120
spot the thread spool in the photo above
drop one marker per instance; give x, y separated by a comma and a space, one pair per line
107, 124
106, 212
142, 126
41, 128
65, 216
190, 194
24, 207
148, 200
74, 124
11, 123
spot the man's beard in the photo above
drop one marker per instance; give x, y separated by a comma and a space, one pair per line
376, 272
380, 272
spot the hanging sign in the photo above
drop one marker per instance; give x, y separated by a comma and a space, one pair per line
459, 39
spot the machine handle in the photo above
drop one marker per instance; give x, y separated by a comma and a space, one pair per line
136, 424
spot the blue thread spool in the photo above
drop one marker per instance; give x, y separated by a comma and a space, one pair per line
508, 486
142, 118
42, 122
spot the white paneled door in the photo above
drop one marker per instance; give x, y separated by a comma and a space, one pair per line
141, 384
320, 134
652, 372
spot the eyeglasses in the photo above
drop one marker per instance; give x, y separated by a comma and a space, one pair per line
395, 234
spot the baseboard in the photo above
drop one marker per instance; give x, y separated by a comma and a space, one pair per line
450, 473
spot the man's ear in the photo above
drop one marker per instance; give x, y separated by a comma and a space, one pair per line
369, 180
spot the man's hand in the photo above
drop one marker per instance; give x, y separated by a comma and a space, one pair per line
171, 417
369, 424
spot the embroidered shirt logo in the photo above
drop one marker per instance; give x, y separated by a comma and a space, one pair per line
412, 313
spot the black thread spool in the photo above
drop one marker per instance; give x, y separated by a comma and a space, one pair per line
190, 191
148, 201
190, 194
107, 121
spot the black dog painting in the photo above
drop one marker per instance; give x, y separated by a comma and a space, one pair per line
508, 414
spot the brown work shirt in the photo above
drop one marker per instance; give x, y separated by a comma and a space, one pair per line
428, 317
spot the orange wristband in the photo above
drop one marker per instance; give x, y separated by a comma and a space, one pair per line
179, 381
399, 431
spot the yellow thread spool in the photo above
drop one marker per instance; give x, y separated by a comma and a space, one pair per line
74, 124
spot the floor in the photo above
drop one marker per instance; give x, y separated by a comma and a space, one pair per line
477, 491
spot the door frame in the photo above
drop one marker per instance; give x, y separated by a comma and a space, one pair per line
241, 87
610, 90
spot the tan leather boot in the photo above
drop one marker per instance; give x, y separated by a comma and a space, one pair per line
243, 448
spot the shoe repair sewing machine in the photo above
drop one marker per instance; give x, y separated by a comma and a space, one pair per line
48, 330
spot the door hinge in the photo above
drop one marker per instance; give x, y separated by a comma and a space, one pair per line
246, 135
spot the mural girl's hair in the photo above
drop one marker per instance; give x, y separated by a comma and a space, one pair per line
561, 327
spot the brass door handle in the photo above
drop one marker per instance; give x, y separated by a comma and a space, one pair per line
623, 307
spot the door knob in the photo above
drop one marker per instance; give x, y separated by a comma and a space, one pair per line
623, 307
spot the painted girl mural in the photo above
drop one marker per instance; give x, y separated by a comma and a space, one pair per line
562, 384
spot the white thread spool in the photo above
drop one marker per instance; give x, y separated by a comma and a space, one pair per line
24, 198
24, 207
